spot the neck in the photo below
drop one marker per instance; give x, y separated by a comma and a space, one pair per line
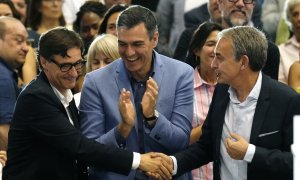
208, 76
243, 89
46, 24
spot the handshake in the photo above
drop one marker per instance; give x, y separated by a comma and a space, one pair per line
157, 165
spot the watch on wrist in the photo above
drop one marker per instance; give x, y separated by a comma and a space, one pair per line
156, 114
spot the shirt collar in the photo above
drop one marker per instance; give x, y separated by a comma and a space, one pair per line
65, 100
254, 93
293, 41
198, 81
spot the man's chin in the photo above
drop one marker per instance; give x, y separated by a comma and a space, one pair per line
238, 22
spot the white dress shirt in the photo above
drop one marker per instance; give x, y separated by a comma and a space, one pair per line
238, 119
65, 100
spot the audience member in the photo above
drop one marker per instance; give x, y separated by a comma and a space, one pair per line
88, 20
44, 142
248, 131
103, 50
202, 48
155, 109
170, 24
7, 8
181, 51
21, 7
108, 25
13, 36
289, 51
42, 16
271, 13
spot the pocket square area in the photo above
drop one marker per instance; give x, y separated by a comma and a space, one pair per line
268, 133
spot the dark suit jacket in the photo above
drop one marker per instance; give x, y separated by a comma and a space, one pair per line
274, 111
43, 144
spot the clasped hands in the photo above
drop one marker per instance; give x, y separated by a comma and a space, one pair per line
157, 165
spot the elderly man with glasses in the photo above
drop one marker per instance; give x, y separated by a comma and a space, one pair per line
44, 140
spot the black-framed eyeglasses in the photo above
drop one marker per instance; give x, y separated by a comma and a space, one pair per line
65, 67
245, 1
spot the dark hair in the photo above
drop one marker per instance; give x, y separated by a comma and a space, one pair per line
14, 11
115, 8
135, 15
34, 17
89, 6
198, 40
58, 41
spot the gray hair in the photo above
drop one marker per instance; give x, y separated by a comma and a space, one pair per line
247, 41
134, 15
287, 13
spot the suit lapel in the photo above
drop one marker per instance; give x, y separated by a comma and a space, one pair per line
74, 113
221, 107
159, 69
261, 109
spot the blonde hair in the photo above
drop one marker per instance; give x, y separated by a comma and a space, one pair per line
106, 44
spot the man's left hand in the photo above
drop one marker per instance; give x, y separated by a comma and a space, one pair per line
236, 146
149, 98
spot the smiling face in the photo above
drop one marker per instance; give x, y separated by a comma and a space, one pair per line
62, 81
14, 44
136, 48
225, 64
235, 14
206, 53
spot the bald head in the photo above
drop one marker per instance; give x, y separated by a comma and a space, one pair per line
6, 23
13, 41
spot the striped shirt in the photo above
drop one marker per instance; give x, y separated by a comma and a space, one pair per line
203, 93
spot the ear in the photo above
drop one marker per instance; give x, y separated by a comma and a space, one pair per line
43, 62
244, 62
155, 39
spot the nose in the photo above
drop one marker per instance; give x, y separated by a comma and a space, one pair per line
214, 64
102, 64
73, 72
240, 3
130, 51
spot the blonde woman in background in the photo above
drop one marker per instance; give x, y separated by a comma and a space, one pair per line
103, 50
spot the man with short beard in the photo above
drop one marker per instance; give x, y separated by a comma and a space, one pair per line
239, 13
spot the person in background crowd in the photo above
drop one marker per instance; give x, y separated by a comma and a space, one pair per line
103, 51
202, 48
289, 51
13, 37
21, 7
43, 15
88, 20
108, 25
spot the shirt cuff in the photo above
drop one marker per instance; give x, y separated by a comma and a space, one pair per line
174, 172
120, 139
136, 160
250, 153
